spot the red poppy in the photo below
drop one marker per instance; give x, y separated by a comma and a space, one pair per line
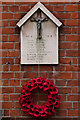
45, 86
29, 86
53, 101
43, 114
39, 111
57, 104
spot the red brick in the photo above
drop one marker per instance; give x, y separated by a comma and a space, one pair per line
28, 68
7, 16
7, 45
13, 53
63, 75
49, 7
73, 112
62, 38
13, 38
14, 82
59, 8
74, 30
7, 60
0, 65
63, 15
4, 53
6, 112
72, 53
63, 97
5, 23
60, 82
6, 97
0, 45
17, 105
45, 68
78, 30
8, 105
72, 37
17, 45
44, 75
78, 15
63, 23
0, 81
64, 90
14, 67
74, 90
65, 30
4, 38
72, 83
24, 2
13, 23
75, 105
65, 60
5, 68
58, 2
17, 60
78, 104
61, 53
41, 103
15, 113
24, 8
5, 8
0, 9
74, 75
79, 60
0, 96
10, 3
73, 97
78, 45
17, 30
66, 105
7, 90
7, 31
19, 75
30, 75
17, 15
61, 112
14, 97
0, 56
7, 75
13, 8
18, 89
23, 82
65, 45
60, 68
71, 7
43, 97
0, 26
71, 68
74, 45
74, 15
72, 22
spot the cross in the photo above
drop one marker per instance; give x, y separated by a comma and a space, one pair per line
39, 20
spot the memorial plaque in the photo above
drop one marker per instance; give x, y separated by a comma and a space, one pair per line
39, 37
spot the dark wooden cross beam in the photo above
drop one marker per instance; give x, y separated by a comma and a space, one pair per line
39, 20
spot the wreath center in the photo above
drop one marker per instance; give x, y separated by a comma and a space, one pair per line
39, 97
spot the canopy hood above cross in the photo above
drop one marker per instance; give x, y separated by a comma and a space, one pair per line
44, 9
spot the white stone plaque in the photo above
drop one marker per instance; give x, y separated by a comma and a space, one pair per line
39, 38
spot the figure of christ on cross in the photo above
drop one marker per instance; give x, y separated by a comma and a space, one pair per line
39, 20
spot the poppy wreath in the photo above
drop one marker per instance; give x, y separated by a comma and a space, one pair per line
35, 110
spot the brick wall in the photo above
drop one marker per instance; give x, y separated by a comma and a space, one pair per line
64, 75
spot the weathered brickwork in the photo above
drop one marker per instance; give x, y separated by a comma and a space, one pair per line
65, 76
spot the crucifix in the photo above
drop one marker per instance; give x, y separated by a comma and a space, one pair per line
39, 20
